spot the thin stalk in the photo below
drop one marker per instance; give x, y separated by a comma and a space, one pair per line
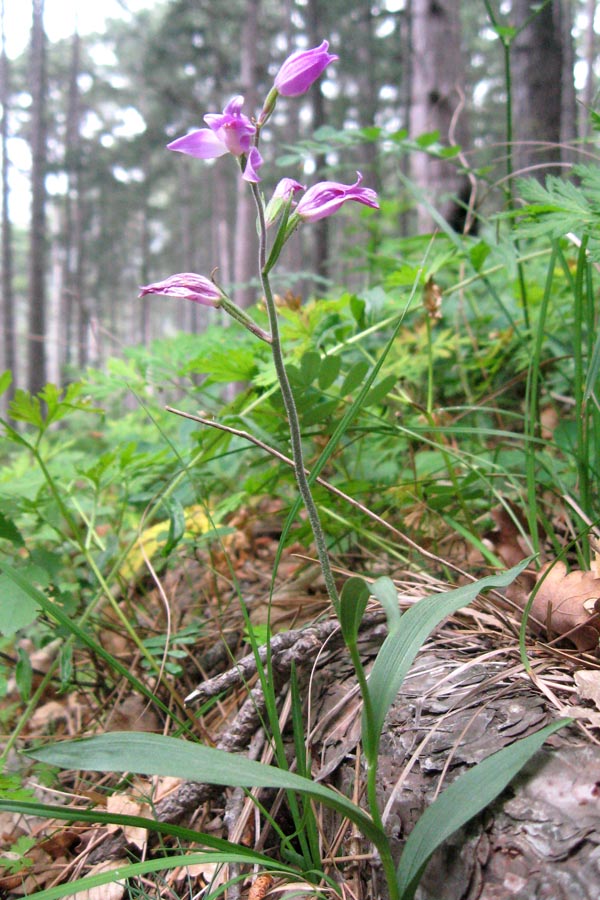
532, 423
579, 351
290, 408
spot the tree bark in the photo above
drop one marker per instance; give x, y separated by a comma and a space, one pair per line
8, 300
590, 56
568, 115
537, 72
72, 274
246, 247
437, 91
37, 247
320, 260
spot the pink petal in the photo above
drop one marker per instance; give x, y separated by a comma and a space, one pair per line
203, 144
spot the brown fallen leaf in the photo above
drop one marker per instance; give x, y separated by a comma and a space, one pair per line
115, 890
568, 603
126, 806
588, 684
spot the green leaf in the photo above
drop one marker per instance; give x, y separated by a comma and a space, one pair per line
23, 674
354, 377
17, 608
469, 794
155, 754
427, 139
5, 381
310, 365
176, 524
25, 408
330, 369
381, 390
385, 591
353, 602
505, 32
478, 254
319, 412
402, 644
10, 532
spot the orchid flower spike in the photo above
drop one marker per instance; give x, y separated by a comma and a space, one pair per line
230, 132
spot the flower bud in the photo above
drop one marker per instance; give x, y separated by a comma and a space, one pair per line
301, 70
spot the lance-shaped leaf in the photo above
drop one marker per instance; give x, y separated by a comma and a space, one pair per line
469, 794
406, 638
155, 754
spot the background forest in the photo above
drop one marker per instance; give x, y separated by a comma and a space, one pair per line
111, 210
443, 351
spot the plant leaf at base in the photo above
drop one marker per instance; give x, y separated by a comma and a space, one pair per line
155, 754
469, 794
402, 644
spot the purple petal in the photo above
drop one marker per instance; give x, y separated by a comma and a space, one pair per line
286, 188
326, 197
253, 164
234, 107
301, 70
203, 144
185, 286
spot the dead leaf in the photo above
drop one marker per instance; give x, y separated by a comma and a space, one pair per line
115, 890
582, 712
507, 539
133, 713
124, 805
566, 603
588, 684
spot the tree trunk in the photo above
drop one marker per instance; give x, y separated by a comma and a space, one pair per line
590, 56
437, 92
246, 247
8, 301
37, 263
568, 115
72, 270
537, 71
320, 260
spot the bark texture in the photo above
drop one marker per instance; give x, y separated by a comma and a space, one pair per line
537, 72
437, 92
37, 260
8, 353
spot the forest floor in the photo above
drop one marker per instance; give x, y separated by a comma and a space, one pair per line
467, 695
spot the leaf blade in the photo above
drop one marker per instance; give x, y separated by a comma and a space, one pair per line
464, 798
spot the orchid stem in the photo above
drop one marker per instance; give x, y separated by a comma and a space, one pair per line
291, 411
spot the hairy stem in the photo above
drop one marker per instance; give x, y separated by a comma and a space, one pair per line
290, 408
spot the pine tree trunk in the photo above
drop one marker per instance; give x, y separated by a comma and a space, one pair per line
37, 261
536, 66
320, 261
72, 269
246, 247
8, 302
437, 90
568, 116
590, 56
